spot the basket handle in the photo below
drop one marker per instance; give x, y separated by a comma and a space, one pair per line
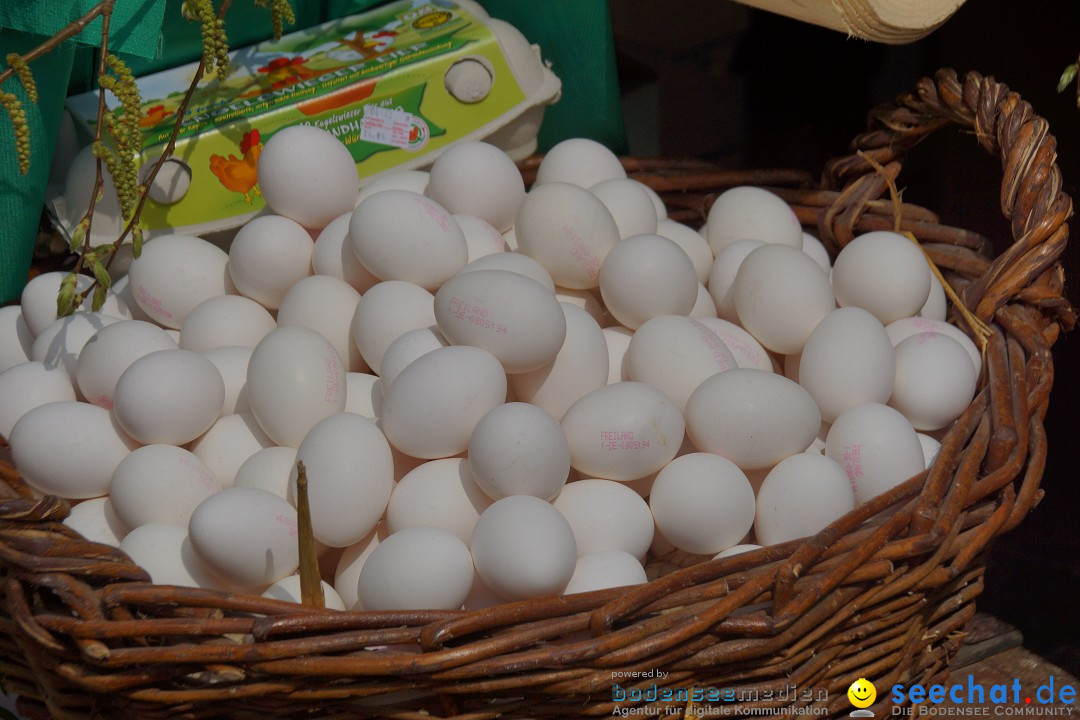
1031, 194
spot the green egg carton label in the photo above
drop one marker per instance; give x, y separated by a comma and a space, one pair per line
377, 81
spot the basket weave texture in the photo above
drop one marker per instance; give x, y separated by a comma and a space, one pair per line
84, 634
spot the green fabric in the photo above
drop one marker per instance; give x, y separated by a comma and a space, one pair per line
133, 29
22, 196
576, 37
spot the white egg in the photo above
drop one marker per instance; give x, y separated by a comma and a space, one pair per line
934, 380
752, 417
230, 441
399, 235
308, 175
567, 230
232, 363
350, 474
580, 367
268, 469
365, 395
327, 306
623, 431
223, 321
514, 262
106, 355
579, 161
185, 383
876, 447
434, 404
523, 547
43, 440
752, 213
478, 179
744, 347
587, 301
722, 275
406, 348
332, 255
882, 272
629, 204
441, 494
813, 247
702, 503
704, 307
175, 273
801, 496
693, 244
164, 551
295, 379
268, 256
419, 568
847, 360
511, 316
123, 291
618, 342
518, 449
930, 448
27, 386
59, 344
288, 589
415, 181
736, 550
481, 238
605, 569
246, 535
676, 354
904, 328
160, 484
936, 306
15, 338
606, 515
646, 276
351, 562
780, 297
96, 521
387, 311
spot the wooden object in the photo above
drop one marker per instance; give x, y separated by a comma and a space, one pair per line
894, 22
878, 595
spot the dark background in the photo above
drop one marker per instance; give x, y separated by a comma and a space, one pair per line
750, 89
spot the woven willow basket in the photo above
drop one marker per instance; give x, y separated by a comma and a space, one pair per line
84, 634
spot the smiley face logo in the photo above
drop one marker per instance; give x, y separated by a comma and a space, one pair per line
862, 693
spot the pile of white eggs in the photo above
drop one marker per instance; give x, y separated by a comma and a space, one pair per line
496, 394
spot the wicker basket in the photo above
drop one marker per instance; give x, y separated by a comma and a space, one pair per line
85, 635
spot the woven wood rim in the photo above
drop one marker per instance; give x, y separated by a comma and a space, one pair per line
83, 634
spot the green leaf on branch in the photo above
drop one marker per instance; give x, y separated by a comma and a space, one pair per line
136, 242
1067, 77
78, 235
99, 297
65, 301
102, 275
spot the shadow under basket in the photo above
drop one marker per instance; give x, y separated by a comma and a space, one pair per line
83, 633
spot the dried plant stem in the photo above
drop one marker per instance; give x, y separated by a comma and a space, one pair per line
311, 593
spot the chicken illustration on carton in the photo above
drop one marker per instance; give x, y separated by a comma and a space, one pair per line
396, 85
